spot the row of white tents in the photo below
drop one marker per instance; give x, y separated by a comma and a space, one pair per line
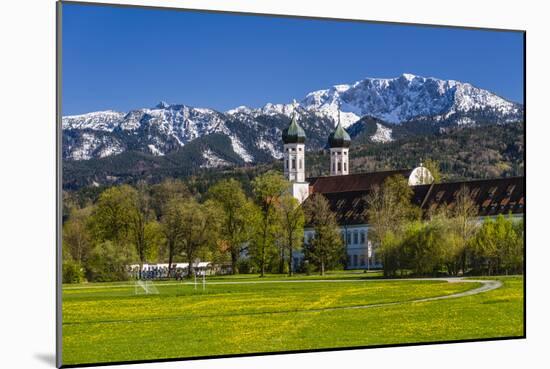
183, 266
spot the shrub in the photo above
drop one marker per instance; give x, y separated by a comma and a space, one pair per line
72, 272
107, 263
244, 266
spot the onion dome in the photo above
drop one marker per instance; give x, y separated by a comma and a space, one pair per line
294, 133
339, 138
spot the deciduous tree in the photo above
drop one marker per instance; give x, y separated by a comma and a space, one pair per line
112, 216
292, 228
389, 209
77, 240
172, 228
267, 189
200, 228
326, 247
237, 215
463, 217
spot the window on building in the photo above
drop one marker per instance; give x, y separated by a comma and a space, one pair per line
355, 237
299, 149
345, 152
339, 167
348, 238
293, 164
355, 260
362, 260
362, 236
345, 167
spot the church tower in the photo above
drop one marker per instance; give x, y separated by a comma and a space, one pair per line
339, 142
294, 138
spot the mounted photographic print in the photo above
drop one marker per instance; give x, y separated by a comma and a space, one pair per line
238, 184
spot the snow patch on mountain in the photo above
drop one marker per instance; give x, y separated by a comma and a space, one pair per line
154, 150
239, 149
240, 110
383, 134
270, 147
212, 160
98, 121
111, 149
465, 121
90, 146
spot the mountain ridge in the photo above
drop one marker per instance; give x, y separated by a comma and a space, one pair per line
254, 133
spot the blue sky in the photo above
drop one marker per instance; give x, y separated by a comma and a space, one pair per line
124, 58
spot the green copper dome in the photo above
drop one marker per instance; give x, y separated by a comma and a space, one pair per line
294, 133
339, 138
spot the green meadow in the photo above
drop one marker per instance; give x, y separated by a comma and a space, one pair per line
105, 322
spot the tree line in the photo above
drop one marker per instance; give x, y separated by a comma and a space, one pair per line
448, 240
255, 232
258, 230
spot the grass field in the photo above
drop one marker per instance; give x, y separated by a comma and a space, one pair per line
244, 314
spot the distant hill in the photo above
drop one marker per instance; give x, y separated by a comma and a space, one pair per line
464, 152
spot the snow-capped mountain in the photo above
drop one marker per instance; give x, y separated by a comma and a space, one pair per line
254, 133
408, 97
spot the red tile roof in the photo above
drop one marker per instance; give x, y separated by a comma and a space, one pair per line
352, 182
